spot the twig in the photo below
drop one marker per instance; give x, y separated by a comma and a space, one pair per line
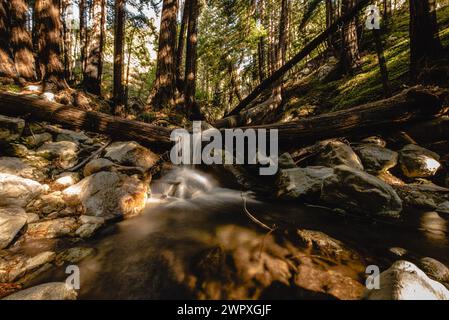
92, 156
254, 219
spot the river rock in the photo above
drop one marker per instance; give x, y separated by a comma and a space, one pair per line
434, 269
376, 158
87, 230
108, 194
417, 162
21, 168
73, 136
23, 267
285, 161
405, 281
37, 140
334, 153
375, 140
97, 165
74, 255
130, 153
50, 229
62, 151
18, 191
12, 221
46, 291
10, 128
358, 191
65, 180
427, 196
302, 182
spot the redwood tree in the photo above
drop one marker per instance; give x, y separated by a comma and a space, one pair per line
7, 68
48, 30
165, 86
21, 41
118, 90
94, 63
350, 48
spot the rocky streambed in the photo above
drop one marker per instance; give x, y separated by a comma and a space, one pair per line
138, 228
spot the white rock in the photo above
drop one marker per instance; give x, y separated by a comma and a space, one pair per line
21, 168
47, 291
18, 191
12, 221
66, 179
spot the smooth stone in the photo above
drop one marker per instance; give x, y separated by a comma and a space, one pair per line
333, 153
18, 191
376, 158
12, 220
418, 162
130, 153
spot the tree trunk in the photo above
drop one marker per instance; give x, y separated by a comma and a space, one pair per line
21, 42
165, 85
193, 109
118, 91
278, 74
425, 45
92, 73
83, 33
48, 25
7, 68
68, 49
382, 63
350, 48
181, 46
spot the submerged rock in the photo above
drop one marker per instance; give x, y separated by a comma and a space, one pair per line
302, 182
10, 128
12, 220
405, 281
418, 162
108, 194
46, 291
376, 158
130, 153
334, 153
18, 191
358, 191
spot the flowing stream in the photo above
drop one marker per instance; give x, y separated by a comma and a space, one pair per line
193, 225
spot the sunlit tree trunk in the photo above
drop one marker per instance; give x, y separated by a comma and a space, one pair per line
425, 45
21, 41
165, 85
92, 72
48, 28
82, 32
181, 46
118, 90
261, 45
7, 68
191, 63
350, 48
68, 47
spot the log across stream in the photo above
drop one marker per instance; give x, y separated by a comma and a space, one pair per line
194, 241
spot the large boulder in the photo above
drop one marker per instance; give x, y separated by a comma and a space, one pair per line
12, 221
65, 152
405, 281
434, 269
18, 191
418, 162
46, 291
21, 167
376, 158
358, 191
10, 128
21, 267
130, 153
301, 182
426, 196
108, 194
334, 153
50, 229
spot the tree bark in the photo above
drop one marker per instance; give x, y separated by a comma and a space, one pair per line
82, 33
7, 67
92, 73
181, 46
67, 12
382, 63
118, 90
278, 74
75, 118
193, 109
425, 45
350, 48
48, 25
21, 42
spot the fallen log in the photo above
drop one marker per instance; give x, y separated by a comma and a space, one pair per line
38, 109
407, 108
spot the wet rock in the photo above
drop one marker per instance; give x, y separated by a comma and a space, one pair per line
374, 140
131, 153
417, 162
434, 269
87, 230
21, 168
65, 152
376, 158
334, 153
13, 268
285, 161
12, 221
358, 191
405, 281
10, 128
97, 165
302, 182
50, 229
47, 291
74, 255
427, 196
443, 209
37, 140
18, 191
108, 194
65, 180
